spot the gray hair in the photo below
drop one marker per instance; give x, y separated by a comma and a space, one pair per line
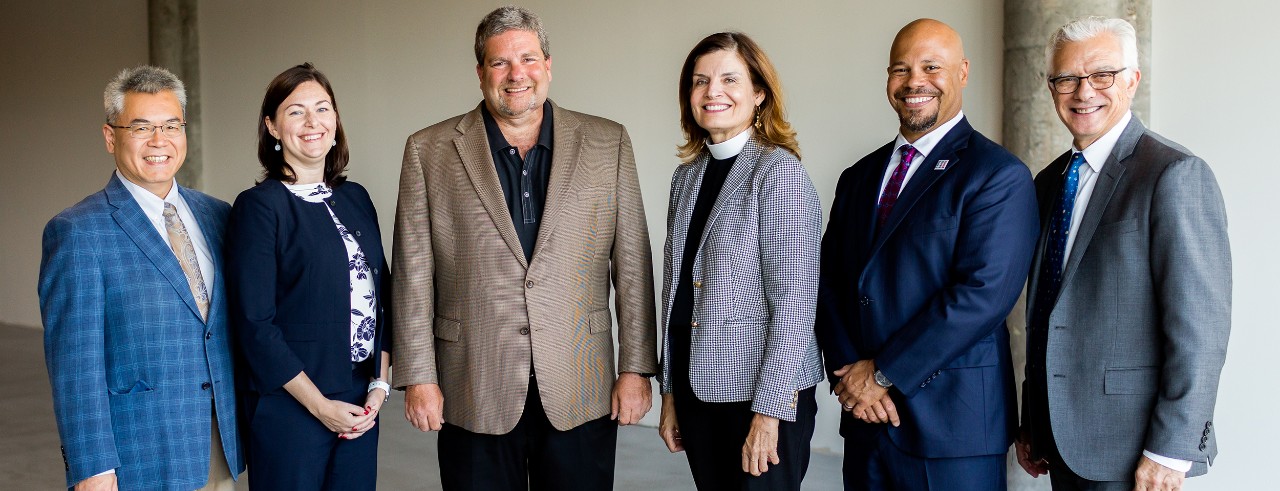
510, 18
146, 79
1091, 27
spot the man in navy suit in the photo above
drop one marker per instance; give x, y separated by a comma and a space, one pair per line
134, 311
925, 254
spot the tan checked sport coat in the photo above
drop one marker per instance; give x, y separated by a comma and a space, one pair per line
473, 316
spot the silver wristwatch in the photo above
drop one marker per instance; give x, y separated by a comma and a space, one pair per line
882, 380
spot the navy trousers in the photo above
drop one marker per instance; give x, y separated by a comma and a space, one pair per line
289, 449
883, 466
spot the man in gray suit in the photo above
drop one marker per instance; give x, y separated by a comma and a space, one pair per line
1130, 293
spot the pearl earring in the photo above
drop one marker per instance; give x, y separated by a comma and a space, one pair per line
277, 145
335, 143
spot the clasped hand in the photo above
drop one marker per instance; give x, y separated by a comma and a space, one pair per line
862, 396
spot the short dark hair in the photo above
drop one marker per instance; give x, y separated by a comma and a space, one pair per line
272, 160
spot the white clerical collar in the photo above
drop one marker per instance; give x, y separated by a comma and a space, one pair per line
925, 144
730, 147
1097, 153
152, 205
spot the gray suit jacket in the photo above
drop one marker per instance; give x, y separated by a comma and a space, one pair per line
475, 317
1138, 335
755, 281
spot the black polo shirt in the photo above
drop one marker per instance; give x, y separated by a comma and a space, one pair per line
524, 182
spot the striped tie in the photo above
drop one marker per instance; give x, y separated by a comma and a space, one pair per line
891, 190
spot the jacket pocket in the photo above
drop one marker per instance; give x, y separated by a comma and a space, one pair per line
1137, 380
599, 321
1119, 227
137, 388
448, 329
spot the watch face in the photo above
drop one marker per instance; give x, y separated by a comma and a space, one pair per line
882, 380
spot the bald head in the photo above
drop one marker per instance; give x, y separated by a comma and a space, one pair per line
927, 31
927, 75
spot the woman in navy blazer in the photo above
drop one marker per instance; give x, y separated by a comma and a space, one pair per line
740, 278
308, 283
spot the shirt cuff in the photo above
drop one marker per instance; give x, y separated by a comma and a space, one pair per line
1175, 464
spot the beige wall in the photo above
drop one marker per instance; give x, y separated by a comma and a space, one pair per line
1210, 86
404, 65
56, 56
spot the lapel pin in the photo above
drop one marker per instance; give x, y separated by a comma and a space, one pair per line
941, 165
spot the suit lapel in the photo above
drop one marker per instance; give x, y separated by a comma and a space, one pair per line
927, 174
689, 184
739, 173
129, 217
212, 232
473, 150
567, 140
1103, 189
1055, 180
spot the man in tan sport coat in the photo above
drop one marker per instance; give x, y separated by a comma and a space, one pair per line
513, 221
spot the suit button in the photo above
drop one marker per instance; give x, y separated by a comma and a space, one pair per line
357, 233
333, 202
697, 284
1206, 432
208, 335
524, 331
205, 386
1208, 424
693, 324
1202, 447
528, 284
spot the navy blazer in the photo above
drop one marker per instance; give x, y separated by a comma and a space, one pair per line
288, 276
132, 363
926, 297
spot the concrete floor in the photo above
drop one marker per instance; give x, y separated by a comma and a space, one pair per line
406, 460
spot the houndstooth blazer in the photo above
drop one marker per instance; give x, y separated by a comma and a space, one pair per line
755, 281
476, 317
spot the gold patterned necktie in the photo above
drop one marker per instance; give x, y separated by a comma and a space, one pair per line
180, 242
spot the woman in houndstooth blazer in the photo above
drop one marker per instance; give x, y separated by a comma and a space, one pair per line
740, 278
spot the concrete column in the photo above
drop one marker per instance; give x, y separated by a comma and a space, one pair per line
1032, 130
175, 45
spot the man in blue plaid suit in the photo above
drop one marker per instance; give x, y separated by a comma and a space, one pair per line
134, 311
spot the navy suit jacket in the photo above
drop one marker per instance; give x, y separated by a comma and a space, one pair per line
132, 363
926, 296
289, 278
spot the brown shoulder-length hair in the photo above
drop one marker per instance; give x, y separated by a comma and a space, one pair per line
774, 129
272, 160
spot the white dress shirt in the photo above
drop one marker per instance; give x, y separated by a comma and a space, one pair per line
1095, 156
923, 146
153, 208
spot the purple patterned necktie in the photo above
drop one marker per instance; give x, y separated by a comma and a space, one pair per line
891, 190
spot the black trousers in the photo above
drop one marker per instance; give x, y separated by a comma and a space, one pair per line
534, 455
291, 449
713, 435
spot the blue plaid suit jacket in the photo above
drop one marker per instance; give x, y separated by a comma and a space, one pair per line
132, 364
758, 267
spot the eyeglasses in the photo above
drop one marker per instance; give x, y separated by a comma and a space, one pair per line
1098, 80
142, 131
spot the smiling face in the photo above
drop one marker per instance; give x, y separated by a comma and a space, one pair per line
723, 99
306, 124
515, 75
1089, 113
927, 75
151, 162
